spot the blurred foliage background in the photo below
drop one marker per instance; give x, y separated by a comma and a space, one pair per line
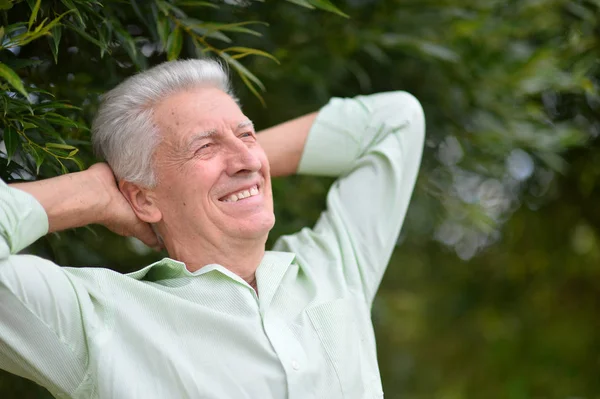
494, 288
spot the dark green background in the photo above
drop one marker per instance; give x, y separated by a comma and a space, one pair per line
494, 288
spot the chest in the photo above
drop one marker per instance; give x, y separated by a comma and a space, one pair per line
225, 345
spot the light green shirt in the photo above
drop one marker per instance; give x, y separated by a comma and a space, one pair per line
165, 332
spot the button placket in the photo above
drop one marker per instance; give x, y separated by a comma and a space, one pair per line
289, 351
295, 365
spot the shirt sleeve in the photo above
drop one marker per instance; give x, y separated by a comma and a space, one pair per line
22, 220
374, 144
41, 331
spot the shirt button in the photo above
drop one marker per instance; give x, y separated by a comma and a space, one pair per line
295, 365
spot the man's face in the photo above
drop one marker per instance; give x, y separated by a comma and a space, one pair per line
213, 176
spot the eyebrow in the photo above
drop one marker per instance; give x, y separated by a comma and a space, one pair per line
208, 133
199, 136
246, 124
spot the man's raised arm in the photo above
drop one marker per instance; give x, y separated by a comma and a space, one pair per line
373, 144
42, 331
82, 198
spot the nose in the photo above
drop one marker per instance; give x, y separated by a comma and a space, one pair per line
242, 160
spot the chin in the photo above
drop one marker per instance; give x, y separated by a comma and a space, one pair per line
258, 227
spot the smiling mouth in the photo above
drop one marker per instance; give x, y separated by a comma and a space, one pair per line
240, 195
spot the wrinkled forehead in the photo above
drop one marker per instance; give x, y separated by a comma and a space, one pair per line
213, 131
190, 140
195, 113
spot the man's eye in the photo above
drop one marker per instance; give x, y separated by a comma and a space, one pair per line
203, 148
247, 134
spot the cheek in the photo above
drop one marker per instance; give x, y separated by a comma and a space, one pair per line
264, 161
202, 178
185, 201
179, 186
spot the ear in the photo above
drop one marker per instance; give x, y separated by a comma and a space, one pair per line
142, 201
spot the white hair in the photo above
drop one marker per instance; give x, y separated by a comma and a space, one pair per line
124, 132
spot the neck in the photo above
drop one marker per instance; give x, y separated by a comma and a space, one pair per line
240, 256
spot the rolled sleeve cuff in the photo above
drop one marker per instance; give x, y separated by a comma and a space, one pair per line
22, 218
332, 145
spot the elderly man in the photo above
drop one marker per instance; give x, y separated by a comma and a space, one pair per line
220, 317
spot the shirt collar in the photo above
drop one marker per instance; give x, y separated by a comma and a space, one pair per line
164, 269
269, 273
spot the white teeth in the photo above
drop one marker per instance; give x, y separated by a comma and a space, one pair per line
242, 194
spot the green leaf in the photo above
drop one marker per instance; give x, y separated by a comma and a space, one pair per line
39, 28
553, 161
163, 26
54, 22
148, 20
303, 3
128, 44
422, 46
63, 168
241, 29
250, 86
242, 70
165, 6
13, 79
204, 30
235, 27
55, 105
61, 146
54, 39
245, 51
1, 33
6, 4
61, 120
328, 6
440, 52
86, 36
57, 152
322, 4
174, 44
77, 162
40, 123
251, 81
71, 7
39, 160
19, 63
38, 155
104, 34
11, 141
10, 29
191, 3
34, 12
28, 125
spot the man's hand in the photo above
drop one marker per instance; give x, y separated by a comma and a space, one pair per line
82, 198
118, 216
